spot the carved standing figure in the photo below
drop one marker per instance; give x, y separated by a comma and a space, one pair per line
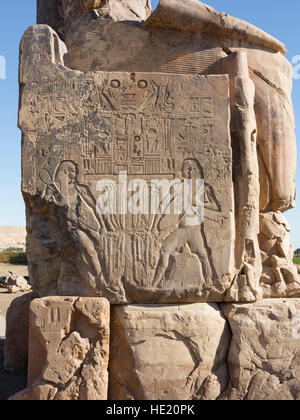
190, 230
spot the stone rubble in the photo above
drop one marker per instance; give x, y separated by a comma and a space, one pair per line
14, 283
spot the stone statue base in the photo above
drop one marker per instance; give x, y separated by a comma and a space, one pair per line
163, 352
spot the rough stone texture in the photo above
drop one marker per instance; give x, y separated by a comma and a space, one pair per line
62, 14
245, 287
17, 330
182, 94
75, 135
89, 5
205, 37
264, 355
195, 16
68, 349
168, 352
50, 12
279, 271
148, 125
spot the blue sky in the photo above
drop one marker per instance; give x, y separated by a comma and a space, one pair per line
280, 20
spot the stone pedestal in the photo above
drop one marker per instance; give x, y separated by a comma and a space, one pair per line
17, 329
168, 352
68, 349
163, 352
264, 354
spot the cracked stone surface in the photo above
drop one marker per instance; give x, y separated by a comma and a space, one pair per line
183, 93
202, 38
97, 132
191, 352
264, 354
168, 352
17, 329
185, 85
68, 349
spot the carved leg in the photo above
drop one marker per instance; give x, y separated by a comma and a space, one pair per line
246, 174
197, 247
175, 241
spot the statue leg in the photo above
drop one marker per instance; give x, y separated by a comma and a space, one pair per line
175, 241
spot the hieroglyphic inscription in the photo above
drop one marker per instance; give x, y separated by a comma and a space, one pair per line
148, 126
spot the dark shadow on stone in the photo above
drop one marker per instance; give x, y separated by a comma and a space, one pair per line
10, 383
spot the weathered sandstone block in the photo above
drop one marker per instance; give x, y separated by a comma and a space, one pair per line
68, 349
279, 271
143, 109
83, 130
264, 355
17, 330
191, 37
168, 352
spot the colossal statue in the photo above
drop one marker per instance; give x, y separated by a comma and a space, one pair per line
159, 157
144, 122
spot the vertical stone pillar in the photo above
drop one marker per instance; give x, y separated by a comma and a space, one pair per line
246, 178
17, 328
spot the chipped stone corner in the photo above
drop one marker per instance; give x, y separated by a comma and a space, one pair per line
68, 349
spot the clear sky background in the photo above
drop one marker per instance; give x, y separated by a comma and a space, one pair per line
279, 19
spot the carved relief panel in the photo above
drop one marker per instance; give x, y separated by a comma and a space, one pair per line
112, 154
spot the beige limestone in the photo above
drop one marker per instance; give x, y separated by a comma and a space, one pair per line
264, 354
204, 38
168, 352
17, 330
184, 93
68, 349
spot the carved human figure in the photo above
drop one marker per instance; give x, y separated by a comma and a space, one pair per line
190, 228
84, 224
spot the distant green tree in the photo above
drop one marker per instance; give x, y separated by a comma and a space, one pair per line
297, 252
